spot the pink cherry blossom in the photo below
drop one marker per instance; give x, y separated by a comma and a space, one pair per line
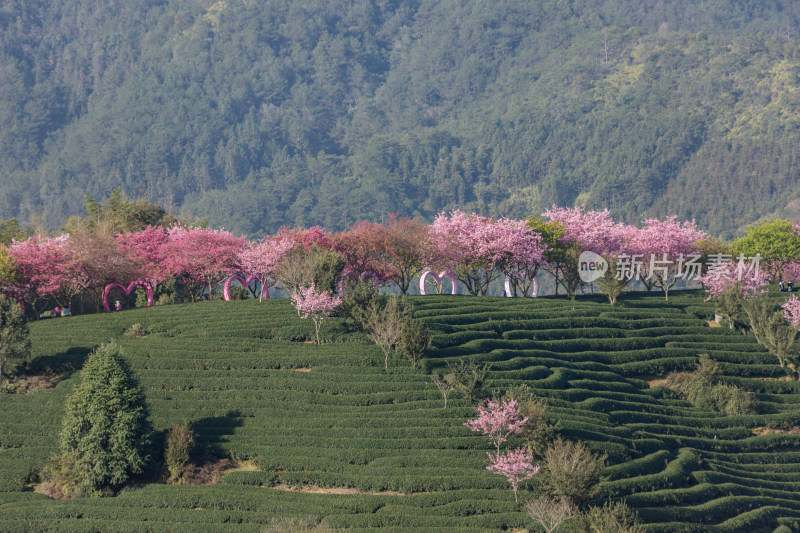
199, 255
516, 465
147, 248
316, 304
664, 247
479, 248
262, 259
594, 231
499, 420
731, 275
791, 310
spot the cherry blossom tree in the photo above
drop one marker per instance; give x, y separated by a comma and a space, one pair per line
316, 304
99, 262
577, 231
406, 241
516, 465
363, 250
313, 237
202, 256
147, 247
262, 259
479, 248
48, 269
665, 248
498, 420
791, 311
729, 285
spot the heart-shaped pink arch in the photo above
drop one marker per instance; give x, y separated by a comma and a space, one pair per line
446, 274
127, 290
521, 276
226, 288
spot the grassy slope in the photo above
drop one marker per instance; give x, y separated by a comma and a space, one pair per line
226, 368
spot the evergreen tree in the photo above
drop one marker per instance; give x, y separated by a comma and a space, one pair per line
106, 433
14, 341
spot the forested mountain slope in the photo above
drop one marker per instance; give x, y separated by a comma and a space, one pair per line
258, 114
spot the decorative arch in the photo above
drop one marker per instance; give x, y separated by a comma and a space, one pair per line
438, 279
127, 290
226, 287
521, 276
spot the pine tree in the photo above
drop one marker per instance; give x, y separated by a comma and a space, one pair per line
106, 433
14, 341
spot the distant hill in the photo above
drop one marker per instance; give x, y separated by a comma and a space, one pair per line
260, 114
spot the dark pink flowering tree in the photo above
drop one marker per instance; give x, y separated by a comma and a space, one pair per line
48, 269
363, 249
516, 465
313, 237
316, 304
201, 256
147, 247
498, 420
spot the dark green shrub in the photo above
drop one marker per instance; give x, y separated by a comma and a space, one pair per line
538, 432
702, 390
469, 378
610, 518
357, 300
414, 341
14, 341
180, 442
573, 470
105, 431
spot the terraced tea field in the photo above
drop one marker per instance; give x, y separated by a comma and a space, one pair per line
328, 418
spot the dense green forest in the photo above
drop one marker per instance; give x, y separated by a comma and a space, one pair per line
257, 114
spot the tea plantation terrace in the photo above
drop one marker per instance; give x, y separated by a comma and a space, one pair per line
329, 417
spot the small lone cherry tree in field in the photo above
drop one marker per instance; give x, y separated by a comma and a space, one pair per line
310, 302
499, 420
516, 465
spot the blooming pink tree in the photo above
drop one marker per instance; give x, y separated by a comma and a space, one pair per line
316, 304
498, 420
479, 248
791, 311
261, 259
147, 247
516, 465
47, 268
363, 248
580, 231
313, 237
201, 256
734, 276
729, 284
665, 247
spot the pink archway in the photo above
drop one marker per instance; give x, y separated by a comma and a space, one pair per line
521, 276
438, 279
127, 290
226, 287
